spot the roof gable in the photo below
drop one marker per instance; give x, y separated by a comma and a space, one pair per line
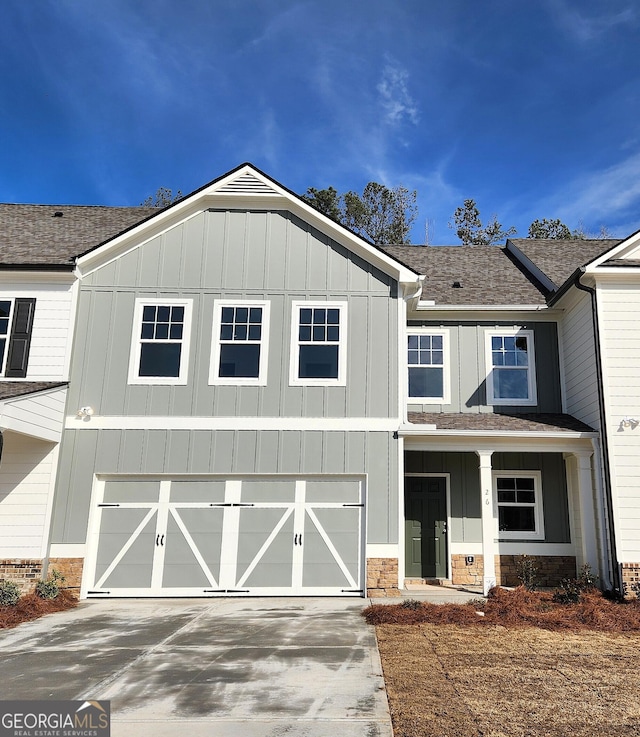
245, 187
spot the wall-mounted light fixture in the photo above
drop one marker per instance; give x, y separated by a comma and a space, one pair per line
630, 422
84, 412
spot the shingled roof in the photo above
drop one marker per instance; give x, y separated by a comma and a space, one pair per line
12, 389
486, 275
35, 235
500, 422
557, 259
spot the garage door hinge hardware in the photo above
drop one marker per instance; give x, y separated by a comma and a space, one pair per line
98, 592
352, 591
108, 505
225, 591
353, 505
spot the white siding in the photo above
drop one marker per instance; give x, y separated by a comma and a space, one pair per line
40, 415
26, 483
52, 324
579, 359
619, 310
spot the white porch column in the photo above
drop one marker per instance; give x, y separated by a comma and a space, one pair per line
587, 516
488, 521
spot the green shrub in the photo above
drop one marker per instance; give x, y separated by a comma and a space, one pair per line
49, 588
527, 571
9, 593
411, 604
571, 589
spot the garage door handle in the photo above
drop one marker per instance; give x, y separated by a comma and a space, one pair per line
159, 540
297, 539
162, 540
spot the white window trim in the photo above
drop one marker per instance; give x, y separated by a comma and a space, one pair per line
294, 379
214, 366
531, 375
446, 382
7, 337
136, 342
538, 534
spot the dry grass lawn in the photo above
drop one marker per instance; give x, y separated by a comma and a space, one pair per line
448, 680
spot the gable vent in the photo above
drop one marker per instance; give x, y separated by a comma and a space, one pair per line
247, 184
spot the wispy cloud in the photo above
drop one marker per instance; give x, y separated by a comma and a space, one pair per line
394, 94
578, 24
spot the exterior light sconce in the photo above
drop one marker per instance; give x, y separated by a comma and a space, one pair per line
84, 413
628, 422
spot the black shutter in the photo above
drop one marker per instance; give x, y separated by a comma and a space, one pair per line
20, 339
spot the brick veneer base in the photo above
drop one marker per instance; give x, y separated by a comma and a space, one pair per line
630, 575
25, 572
71, 569
382, 577
551, 569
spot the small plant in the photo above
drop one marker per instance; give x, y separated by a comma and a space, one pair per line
411, 604
9, 593
587, 578
527, 572
49, 588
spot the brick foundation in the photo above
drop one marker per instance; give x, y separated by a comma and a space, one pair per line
551, 570
630, 576
25, 572
382, 577
71, 569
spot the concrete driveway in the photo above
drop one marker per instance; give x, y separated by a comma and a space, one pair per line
215, 667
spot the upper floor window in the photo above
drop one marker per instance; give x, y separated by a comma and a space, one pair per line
519, 501
318, 343
511, 367
240, 340
427, 361
16, 325
160, 348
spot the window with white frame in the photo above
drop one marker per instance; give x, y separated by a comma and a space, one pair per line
427, 365
511, 367
240, 340
519, 501
318, 343
160, 348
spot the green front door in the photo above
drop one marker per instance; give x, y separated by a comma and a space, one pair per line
425, 513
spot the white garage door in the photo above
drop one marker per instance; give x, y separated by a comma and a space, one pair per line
226, 537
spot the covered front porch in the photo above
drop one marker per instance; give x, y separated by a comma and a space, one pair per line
481, 490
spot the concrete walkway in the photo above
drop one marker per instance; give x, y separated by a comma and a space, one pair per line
215, 667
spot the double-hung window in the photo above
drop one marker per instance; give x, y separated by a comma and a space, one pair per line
16, 325
511, 376
427, 352
240, 340
519, 500
160, 350
319, 344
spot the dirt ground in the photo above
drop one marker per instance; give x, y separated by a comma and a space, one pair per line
454, 681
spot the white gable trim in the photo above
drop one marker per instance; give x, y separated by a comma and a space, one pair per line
622, 250
245, 187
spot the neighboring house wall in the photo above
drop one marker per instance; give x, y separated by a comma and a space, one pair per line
52, 323
618, 310
467, 370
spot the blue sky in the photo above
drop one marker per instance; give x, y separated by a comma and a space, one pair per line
530, 108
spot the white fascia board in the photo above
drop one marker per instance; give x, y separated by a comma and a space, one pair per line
510, 313
41, 278
430, 306
432, 431
614, 273
211, 197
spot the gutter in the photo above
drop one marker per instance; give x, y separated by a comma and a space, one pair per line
608, 535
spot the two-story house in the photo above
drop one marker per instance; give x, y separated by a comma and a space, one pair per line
261, 402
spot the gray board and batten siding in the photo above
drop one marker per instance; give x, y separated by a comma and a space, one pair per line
233, 254
466, 520
240, 255
467, 366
